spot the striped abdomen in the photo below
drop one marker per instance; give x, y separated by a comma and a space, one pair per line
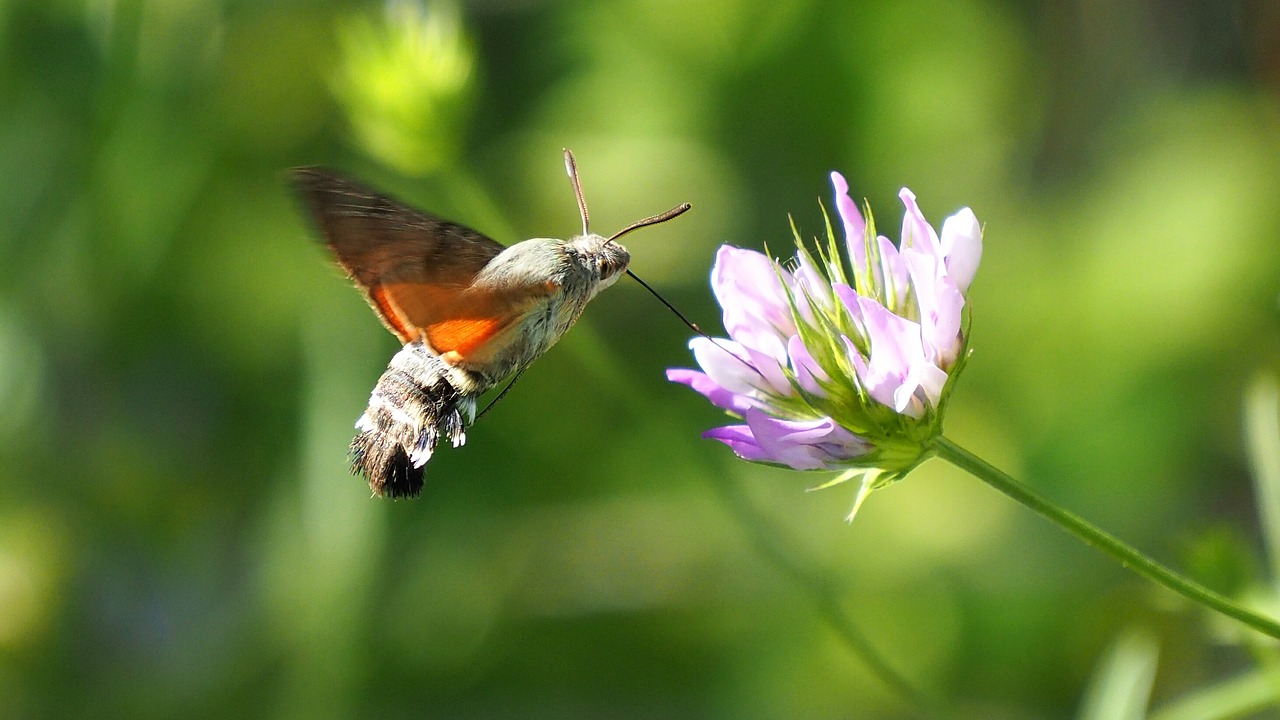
418, 401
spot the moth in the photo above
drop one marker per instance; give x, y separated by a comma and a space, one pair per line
468, 311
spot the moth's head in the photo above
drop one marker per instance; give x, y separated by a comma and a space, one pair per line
605, 259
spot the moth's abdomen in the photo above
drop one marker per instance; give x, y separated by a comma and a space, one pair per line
419, 401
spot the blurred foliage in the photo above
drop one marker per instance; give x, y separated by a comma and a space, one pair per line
180, 367
404, 84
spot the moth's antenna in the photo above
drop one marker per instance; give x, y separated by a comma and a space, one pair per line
674, 212
571, 167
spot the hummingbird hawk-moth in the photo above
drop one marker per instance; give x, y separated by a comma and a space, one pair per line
469, 312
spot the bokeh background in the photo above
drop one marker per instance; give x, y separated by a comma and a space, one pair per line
180, 365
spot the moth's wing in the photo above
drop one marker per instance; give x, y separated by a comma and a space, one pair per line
530, 281
480, 323
412, 266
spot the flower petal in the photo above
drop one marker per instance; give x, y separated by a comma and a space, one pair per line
708, 388
896, 350
893, 272
771, 370
962, 245
749, 287
940, 305
727, 364
855, 228
926, 378
916, 231
849, 298
805, 444
811, 285
740, 440
807, 370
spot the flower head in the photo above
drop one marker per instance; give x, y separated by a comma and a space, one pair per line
835, 367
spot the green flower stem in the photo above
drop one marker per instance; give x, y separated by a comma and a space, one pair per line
1107, 543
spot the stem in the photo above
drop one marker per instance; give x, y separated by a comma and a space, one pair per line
1107, 543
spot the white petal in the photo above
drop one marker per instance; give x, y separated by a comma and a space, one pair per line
962, 245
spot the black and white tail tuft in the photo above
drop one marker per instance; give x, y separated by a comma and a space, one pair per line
415, 405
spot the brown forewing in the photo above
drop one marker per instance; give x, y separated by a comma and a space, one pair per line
409, 264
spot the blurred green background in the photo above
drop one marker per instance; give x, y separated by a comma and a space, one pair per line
181, 367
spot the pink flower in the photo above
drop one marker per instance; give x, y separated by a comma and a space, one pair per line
837, 370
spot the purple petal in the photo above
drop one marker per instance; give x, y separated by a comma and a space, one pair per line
804, 444
926, 378
771, 370
740, 440
893, 273
916, 231
807, 371
812, 284
962, 244
896, 350
940, 304
848, 296
855, 228
708, 388
727, 364
944, 332
749, 287
860, 368
850, 299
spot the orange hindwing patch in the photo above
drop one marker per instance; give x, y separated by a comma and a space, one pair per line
464, 336
391, 314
